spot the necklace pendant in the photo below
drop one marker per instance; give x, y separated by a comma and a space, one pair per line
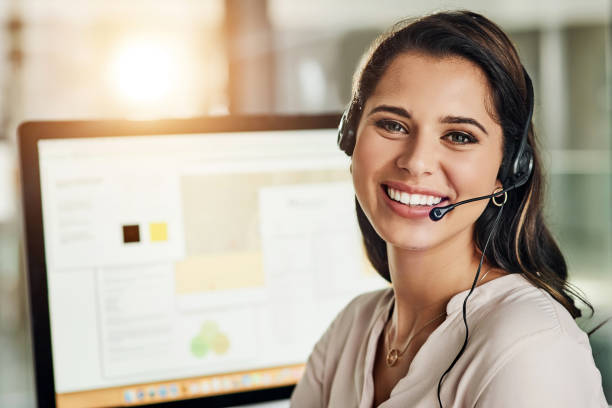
392, 357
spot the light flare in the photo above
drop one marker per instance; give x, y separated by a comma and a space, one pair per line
143, 72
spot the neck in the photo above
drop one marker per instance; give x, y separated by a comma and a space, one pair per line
425, 280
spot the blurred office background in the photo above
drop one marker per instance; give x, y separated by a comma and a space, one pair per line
69, 59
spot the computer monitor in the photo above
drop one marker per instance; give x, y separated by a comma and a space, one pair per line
185, 262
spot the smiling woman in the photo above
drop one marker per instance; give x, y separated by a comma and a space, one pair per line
441, 113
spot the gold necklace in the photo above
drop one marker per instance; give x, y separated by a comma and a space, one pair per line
394, 354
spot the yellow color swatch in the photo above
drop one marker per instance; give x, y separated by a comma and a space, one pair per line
158, 231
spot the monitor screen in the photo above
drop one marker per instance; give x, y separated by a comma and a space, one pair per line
184, 266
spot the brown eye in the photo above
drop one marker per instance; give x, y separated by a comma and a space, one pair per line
461, 138
391, 126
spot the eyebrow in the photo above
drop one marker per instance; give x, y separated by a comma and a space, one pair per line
393, 109
461, 119
446, 119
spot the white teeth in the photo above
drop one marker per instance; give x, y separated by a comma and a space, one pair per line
412, 199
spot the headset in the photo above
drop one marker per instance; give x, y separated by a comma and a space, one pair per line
513, 173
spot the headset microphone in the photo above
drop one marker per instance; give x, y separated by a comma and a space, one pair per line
437, 213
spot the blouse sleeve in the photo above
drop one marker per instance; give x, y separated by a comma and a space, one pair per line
550, 371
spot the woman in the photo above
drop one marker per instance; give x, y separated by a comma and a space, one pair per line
438, 114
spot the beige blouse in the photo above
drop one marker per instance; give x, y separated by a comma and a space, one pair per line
524, 350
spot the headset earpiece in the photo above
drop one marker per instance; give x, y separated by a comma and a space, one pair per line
346, 129
523, 166
522, 161
343, 130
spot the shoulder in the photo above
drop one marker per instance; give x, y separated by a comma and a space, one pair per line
521, 311
529, 340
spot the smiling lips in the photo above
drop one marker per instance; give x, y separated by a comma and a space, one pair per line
415, 204
413, 200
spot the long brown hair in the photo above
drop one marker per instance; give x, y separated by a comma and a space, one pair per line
522, 243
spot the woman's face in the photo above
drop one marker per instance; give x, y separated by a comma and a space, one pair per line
426, 139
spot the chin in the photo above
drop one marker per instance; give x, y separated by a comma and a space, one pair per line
410, 239
413, 246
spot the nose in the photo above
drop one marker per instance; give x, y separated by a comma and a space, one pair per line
418, 156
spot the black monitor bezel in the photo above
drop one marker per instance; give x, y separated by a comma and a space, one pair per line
29, 133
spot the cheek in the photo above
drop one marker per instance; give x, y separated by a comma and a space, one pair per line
370, 157
476, 175
361, 168
362, 161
